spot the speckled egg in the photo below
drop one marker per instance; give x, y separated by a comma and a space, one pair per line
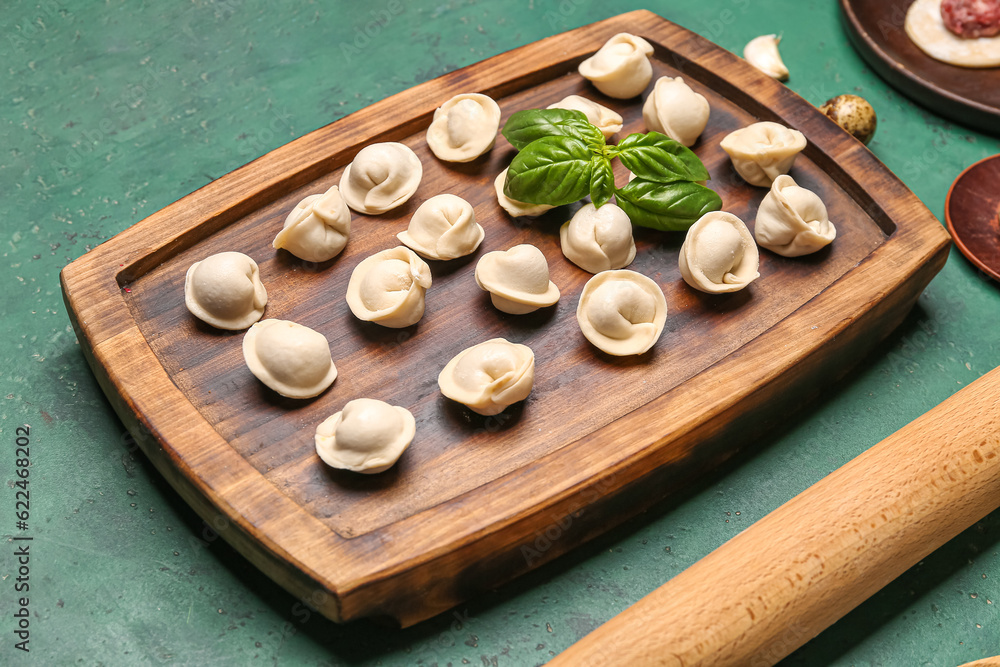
854, 114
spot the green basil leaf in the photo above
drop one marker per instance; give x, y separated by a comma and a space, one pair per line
657, 157
550, 170
666, 206
529, 125
602, 181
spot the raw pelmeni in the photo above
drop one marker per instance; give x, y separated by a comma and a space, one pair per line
464, 127
225, 291
598, 239
675, 110
317, 229
621, 67
622, 312
291, 359
598, 115
367, 436
517, 279
515, 208
388, 288
489, 376
719, 254
381, 177
763, 151
792, 221
443, 227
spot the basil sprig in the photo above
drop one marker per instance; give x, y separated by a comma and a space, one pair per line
670, 207
528, 125
657, 157
553, 170
562, 158
602, 181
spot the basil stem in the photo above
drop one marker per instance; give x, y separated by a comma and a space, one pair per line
527, 125
666, 206
657, 157
553, 170
602, 181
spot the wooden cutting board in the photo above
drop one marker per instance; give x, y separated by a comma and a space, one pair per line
476, 501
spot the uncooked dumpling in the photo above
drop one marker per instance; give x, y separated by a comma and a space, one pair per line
381, 177
464, 127
517, 279
366, 436
443, 227
598, 239
675, 110
489, 376
792, 221
719, 254
516, 208
763, 151
598, 115
317, 229
388, 288
622, 312
291, 359
621, 68
225, 291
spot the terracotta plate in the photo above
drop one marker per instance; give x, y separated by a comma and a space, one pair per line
970, 96
972, 211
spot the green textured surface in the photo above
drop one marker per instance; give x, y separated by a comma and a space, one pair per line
110, 111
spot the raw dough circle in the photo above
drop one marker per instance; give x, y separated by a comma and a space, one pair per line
926, 28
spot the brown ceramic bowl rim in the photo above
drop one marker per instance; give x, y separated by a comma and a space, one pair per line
956, 237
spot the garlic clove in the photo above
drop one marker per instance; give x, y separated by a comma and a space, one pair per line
762, 53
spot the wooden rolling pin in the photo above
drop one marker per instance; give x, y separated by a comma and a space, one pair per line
790, 575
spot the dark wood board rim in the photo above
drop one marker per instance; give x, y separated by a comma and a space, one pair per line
992, 271
610, 458
940, 100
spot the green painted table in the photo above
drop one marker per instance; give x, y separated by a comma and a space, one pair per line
110, 111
